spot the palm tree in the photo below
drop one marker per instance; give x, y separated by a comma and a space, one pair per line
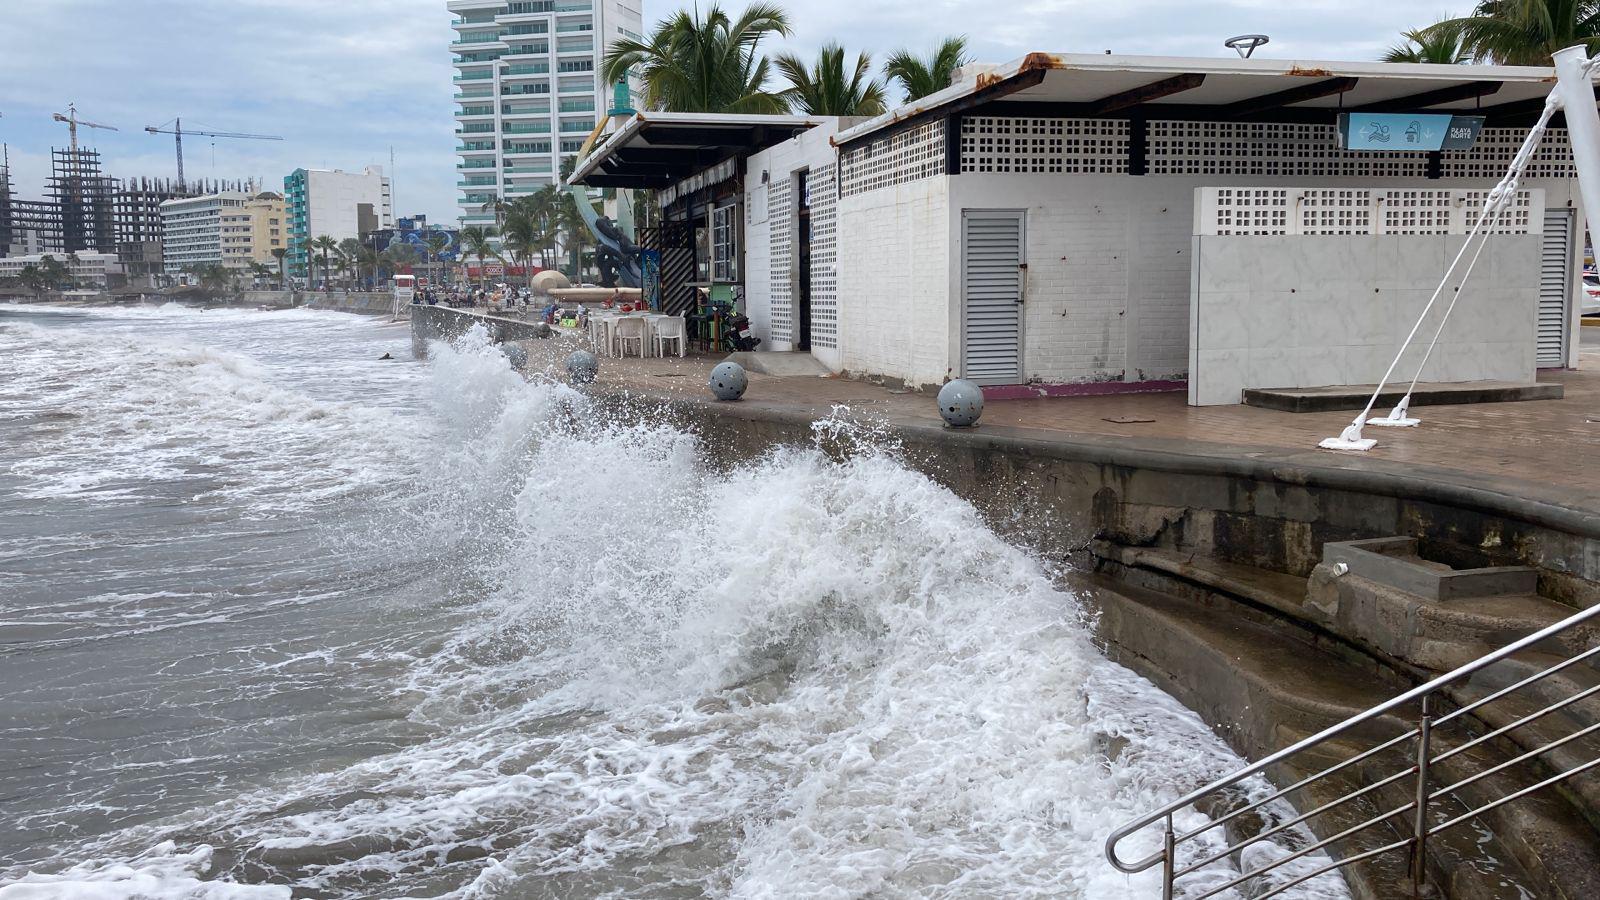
825, 90
436, 241
545, 206
368, 258
349, 250
260, 272
399, 255
279, 254
1437, 44
709, 64
478, 241
921, 77
522, 236
324, 245
1526, 32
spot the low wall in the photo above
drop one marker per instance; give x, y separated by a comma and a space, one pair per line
1288, 311
272, 299
1272, 509
372, 303
443, 323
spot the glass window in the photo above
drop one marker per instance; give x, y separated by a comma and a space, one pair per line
724, 243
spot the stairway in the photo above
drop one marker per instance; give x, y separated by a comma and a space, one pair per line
1269, 658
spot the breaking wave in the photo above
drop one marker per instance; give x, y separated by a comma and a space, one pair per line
678, 675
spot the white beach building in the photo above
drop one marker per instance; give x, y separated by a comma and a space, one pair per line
1097, 223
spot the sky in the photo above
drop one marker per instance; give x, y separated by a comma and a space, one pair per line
345, 81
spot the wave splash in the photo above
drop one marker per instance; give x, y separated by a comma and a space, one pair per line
799, 676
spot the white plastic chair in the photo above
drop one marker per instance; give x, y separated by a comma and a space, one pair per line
671, 328
600, 334
626, 329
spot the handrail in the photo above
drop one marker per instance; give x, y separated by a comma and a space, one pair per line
1417, 767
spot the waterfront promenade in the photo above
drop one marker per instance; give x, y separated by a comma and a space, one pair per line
1537, 450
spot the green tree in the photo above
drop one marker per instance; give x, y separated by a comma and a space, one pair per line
704, 64
370, 259
522, 237
479, 242
325, 246
920, 77
54, 273
399, 255
824, 89
280, 254
437, 242
349, 252
1440, 43
32, 278
1526, 32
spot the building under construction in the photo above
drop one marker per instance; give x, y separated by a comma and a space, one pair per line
83, 198
86, 211
136, 216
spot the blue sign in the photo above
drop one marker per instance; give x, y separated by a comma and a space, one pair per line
1408, 132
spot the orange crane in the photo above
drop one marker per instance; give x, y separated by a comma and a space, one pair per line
72, 120
177, 133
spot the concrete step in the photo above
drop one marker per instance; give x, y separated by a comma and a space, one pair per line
780, 362
1355, 396
1263, 688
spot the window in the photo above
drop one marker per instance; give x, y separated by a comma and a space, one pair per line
724, 243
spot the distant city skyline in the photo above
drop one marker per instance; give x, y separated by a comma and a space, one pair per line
345, 82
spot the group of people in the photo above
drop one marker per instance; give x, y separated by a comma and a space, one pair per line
500, 297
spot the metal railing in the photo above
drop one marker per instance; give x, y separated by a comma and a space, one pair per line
1412, 820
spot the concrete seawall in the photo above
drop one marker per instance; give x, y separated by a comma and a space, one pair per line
443, 323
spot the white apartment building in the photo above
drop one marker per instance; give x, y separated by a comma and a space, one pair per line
334, 203
529, 90
193, 229
96, 269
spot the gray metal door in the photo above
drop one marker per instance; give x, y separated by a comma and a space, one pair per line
1555, 288
993, 274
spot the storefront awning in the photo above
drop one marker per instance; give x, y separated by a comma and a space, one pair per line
655, 149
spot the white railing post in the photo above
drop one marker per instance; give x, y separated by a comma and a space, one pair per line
1575, 87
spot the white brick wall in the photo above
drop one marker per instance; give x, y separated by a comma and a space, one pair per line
895, 271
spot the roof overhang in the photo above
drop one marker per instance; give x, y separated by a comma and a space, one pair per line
1091, 85
658, 149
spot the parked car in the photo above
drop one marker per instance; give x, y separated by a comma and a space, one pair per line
1591, 294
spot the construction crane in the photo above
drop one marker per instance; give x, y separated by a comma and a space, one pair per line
177, 133
72, 120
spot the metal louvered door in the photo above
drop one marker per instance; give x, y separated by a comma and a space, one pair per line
993, 274
1555, 288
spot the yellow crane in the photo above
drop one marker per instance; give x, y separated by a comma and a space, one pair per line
71, 118
177, 133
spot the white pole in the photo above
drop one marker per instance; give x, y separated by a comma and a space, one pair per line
1575, 87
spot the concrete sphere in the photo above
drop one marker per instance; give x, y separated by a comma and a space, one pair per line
550, 280
961, 403
728, 381
515, 355
582, 367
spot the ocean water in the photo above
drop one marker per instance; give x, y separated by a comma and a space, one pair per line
281, 618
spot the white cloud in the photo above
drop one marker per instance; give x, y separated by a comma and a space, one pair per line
344, 80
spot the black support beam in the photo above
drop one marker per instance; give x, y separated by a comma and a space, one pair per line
1468, 91
1316, 90
1145, 93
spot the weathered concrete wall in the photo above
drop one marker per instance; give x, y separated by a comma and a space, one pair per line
1271, 510
442, 323
273, 299
374, 303
1279, 311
